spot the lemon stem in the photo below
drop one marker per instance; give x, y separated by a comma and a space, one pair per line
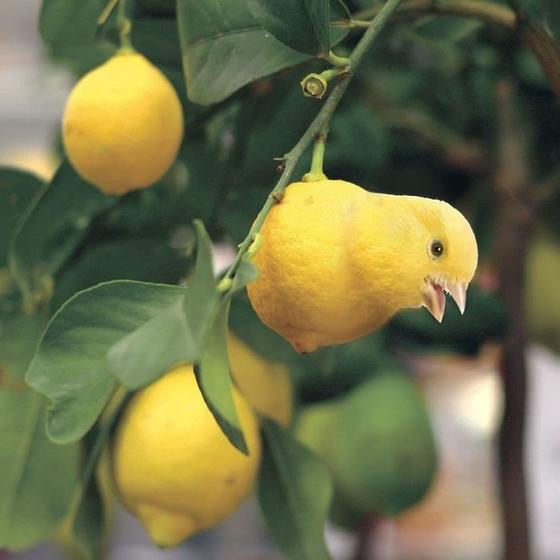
125, 27
316, 172
336, 60
319, 123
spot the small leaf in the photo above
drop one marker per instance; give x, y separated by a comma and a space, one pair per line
303, 25
199, 303
213, 376
224, 48
37, 475
51, 228
17, 189
294, 491
70, 364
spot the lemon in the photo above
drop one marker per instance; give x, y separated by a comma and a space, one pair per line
336, 261
173, 466
378, 443
123, 124
266, 385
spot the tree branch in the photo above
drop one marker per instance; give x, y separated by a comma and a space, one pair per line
487, 12
319, 123
515, 225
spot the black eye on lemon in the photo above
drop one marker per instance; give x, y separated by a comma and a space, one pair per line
436, 248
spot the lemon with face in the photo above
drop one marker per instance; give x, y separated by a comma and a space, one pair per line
336, 261
123, 124
173, 466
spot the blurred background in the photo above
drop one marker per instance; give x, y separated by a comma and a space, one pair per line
459, 519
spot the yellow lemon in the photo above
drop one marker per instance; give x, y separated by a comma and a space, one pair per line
123, 124
336, 261
173, 467
266, 385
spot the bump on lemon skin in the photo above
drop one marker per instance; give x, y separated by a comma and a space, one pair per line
336, 261
173, 466
123, 124
266, 385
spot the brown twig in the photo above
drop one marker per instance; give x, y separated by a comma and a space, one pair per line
515, 224
365, 534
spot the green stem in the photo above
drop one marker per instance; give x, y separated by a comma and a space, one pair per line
319, 123
125, 27
106, 13
316, 172
336, 60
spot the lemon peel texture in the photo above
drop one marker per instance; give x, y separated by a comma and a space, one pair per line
123, 124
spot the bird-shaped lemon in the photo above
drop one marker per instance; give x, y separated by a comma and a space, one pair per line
336, 261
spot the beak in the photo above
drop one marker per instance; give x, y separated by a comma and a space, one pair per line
458, 292
433, 296
434, 300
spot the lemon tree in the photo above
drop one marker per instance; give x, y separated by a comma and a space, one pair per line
318, 140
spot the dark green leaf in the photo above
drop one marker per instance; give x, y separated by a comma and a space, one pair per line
19, 336
68, 22
303, 25
86, 519
158, 40
37, 475
142, 259
294, 490
70, 365
225, 48
17, 189
89, 522
50, 230
214, 378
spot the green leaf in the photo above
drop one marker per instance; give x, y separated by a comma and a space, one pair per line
50, 230
37, 476
124, 259
70, 364
201, 297
19, 336
303, 25
17, 189
67, 22
163, 341
175, 331
294, 490
224, 48
213, 376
